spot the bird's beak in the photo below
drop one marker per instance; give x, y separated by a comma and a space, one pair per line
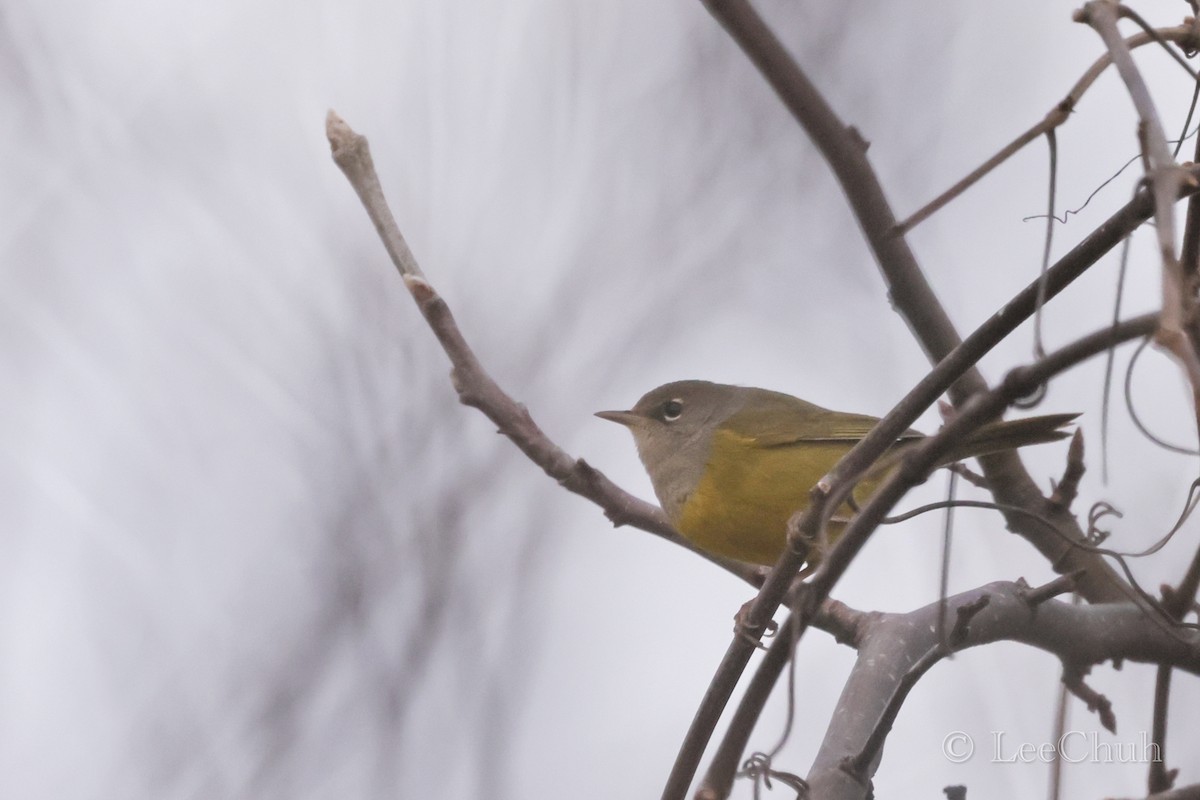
626, 418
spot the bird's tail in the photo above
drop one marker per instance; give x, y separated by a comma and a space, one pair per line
1010, 434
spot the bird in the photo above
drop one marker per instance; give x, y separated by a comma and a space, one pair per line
730, 465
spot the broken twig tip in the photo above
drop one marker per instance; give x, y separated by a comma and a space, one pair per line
1095, 701
1060, 585
420, 288
339, 134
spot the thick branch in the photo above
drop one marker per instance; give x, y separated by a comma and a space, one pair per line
863, 764
893, 644
845, 151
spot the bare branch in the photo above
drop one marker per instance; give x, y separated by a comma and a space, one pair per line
1060, 585
1061, 708
845, 151
969, 475
1177, 602
894, 647
1158, 777
1068, 488
1165, 178
1094, 700
845, 624
860, 766
474, 386
1052, 142
1185, 35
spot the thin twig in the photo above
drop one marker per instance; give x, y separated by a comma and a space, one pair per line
1189, 252
1176, 603
1061, 710
1136, 418
1165, 178
1185, 35
1060, 585
1094, 700
1067, 490
1039, 348
947, 540
1095, 536
1109, 360
969, 475
1159, 778
1129, 13
1183, 598
475, 387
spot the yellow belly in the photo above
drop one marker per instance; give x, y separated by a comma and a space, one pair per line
741, 506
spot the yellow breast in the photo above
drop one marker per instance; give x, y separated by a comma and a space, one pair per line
741, 505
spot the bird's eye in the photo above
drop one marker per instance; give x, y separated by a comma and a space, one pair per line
672, 409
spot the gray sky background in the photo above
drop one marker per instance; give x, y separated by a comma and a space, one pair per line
252, 547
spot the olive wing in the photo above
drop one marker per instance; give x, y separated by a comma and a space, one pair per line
776, 420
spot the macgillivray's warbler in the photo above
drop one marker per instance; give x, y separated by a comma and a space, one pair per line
731, 464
